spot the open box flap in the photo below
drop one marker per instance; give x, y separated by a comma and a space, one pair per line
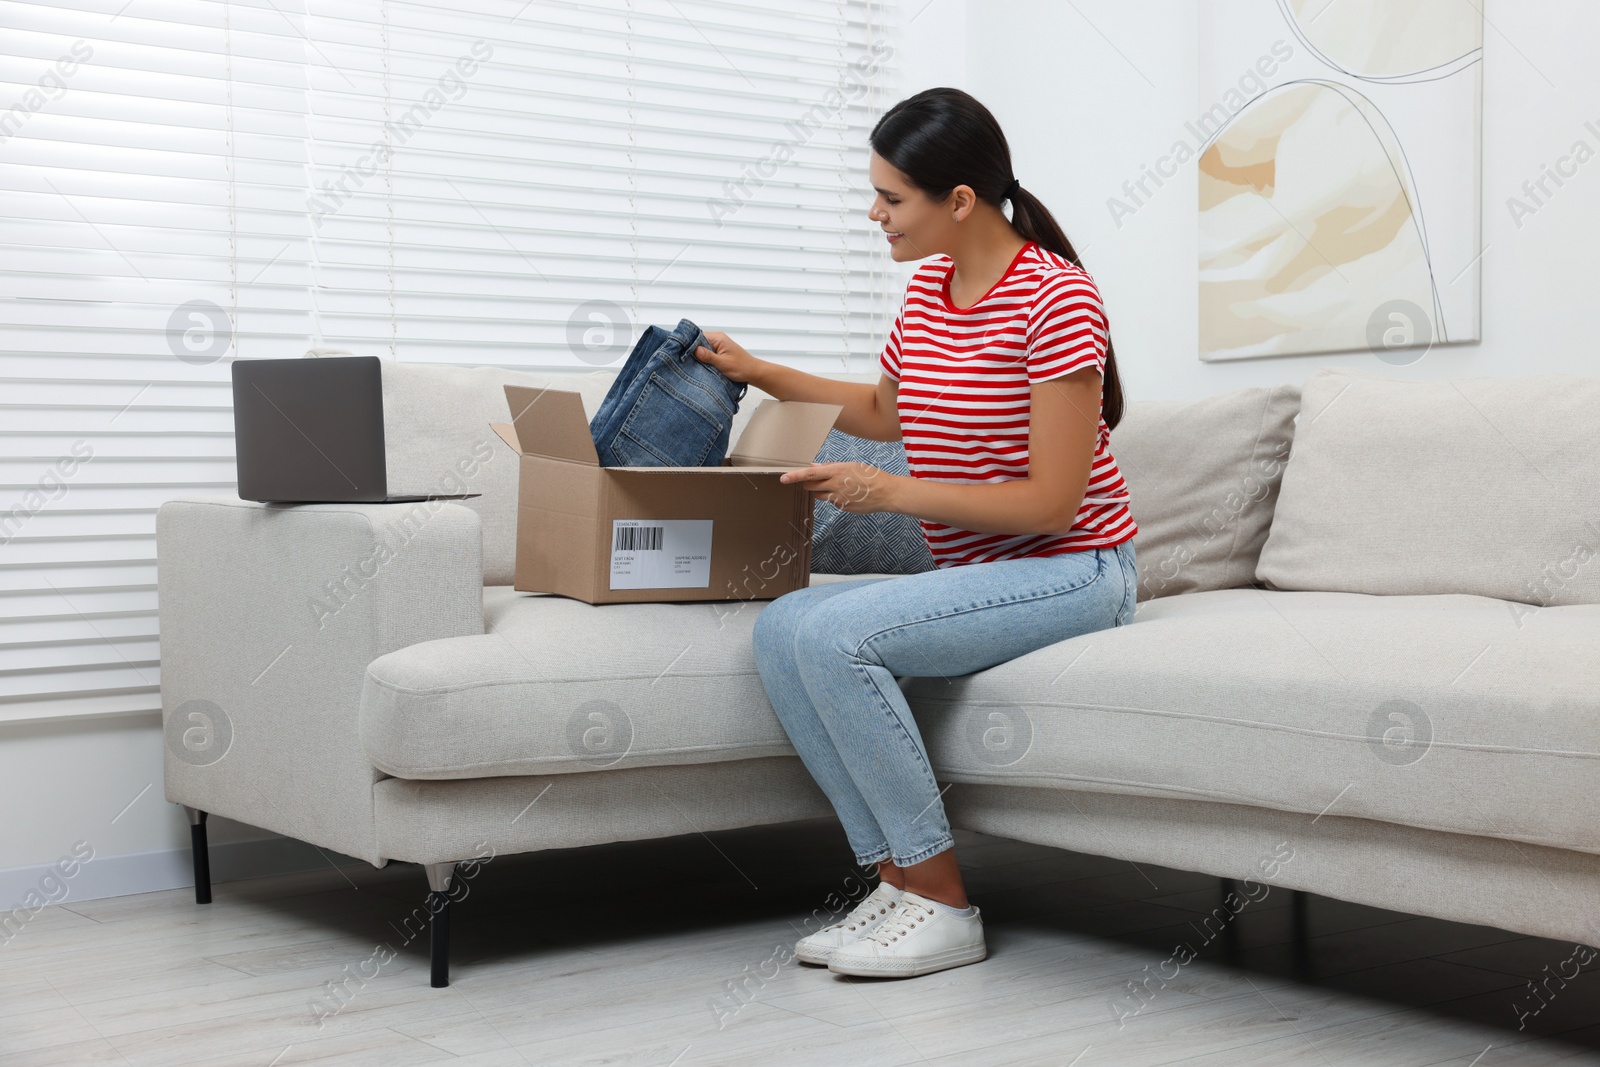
550, 422
784, 434
507, 433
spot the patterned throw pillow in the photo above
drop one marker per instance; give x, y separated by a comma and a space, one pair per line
844, 542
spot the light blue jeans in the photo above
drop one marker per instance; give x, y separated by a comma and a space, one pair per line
829, 656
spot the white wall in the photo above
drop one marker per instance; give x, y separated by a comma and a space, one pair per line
934, 49
1087, 100
99, 781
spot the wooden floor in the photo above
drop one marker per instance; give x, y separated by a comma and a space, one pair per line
627, 954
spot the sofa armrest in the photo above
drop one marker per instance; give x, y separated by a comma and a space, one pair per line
270, 615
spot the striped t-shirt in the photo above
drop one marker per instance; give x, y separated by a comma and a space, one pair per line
965, 376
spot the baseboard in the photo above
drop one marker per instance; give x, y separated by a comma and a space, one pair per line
147, 872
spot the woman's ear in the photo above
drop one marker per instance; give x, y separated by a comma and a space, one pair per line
961, 200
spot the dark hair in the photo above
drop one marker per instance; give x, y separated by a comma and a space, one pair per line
941, 138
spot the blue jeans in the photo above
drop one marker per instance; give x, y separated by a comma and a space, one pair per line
666, 408
829, 655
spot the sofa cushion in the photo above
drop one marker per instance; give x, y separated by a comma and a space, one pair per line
557, 685
1203, 480
1303, 702
1486, 486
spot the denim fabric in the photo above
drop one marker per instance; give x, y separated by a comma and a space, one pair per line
829, 656
666, 408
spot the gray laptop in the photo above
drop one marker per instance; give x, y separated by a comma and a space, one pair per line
311, 430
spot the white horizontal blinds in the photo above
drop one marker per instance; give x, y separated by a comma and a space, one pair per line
670, 158
162, 171
151, 192
885, 278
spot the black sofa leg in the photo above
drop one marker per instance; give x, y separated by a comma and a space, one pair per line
1230, 932
1300, 903
202, 855
439, 875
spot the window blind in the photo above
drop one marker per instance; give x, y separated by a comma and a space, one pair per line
517, 184
152, 194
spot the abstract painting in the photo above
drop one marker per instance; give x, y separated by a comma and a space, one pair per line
1340, 195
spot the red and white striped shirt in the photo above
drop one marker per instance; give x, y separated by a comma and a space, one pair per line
965, 376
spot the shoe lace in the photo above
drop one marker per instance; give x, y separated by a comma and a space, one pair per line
863, 913
911, 916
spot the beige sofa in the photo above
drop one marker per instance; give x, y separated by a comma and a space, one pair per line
1376, 653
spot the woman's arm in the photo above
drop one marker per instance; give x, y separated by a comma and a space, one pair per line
1066, 328
1062, 433
869, 410
1062, 429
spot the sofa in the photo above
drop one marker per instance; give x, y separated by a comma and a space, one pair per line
1365, 662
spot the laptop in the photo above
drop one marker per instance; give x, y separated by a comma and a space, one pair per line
310, 431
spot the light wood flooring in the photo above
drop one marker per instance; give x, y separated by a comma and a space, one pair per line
619, 954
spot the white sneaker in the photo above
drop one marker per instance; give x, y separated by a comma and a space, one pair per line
874, 908
919, 939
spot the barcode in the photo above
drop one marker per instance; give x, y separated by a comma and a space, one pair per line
638, 539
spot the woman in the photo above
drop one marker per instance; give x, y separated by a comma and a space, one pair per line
992, 376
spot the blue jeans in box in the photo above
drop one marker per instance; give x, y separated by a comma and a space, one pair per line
666, 408
829, 656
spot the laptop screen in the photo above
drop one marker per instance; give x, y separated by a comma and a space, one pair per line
309, 430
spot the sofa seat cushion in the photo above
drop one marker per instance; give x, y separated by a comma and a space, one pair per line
557, 685
1303, 702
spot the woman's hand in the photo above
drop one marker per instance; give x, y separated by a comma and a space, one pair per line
857, 487
729, 357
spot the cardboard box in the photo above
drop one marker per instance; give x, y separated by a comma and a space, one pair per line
612, 535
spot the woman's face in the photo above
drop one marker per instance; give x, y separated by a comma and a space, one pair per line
924, 228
